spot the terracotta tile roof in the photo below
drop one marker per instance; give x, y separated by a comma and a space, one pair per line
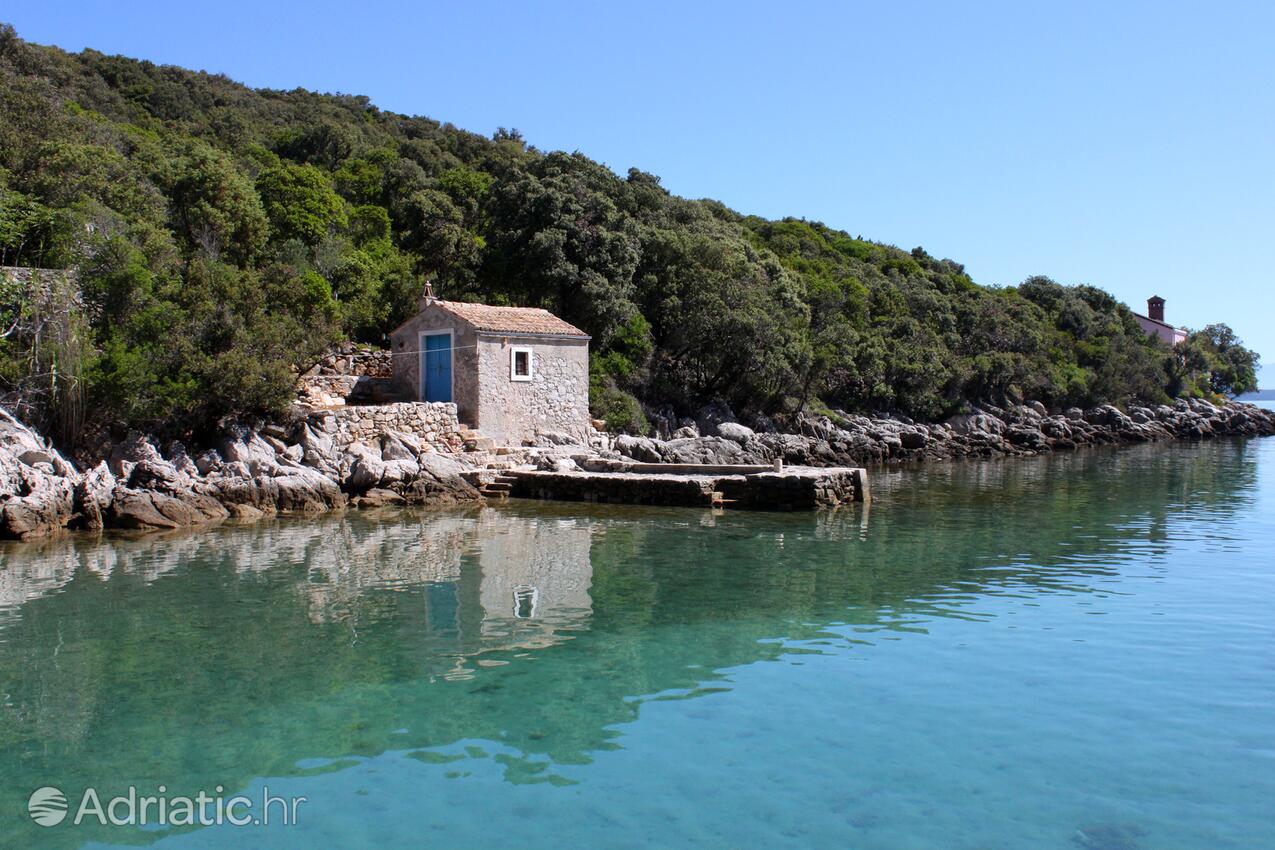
512, 320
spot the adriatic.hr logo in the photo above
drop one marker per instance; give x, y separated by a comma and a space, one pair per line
48, 806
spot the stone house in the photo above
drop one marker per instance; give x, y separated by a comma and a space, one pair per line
513, 372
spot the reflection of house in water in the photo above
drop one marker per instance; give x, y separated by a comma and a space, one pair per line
535, 570
523, 583
357, 560
490, 579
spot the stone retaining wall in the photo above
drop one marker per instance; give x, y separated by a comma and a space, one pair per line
357, 360
338, 390
434, 424
349, 374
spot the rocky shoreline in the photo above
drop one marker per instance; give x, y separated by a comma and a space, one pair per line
298, 469
843, 439
250, 474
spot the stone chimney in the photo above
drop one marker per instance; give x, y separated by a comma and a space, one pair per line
1155, 308
427, 297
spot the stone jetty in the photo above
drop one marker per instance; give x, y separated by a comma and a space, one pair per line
745, 487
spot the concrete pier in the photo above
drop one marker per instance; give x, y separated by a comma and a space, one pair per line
751, 488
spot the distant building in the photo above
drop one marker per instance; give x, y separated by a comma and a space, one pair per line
513, 372
1155, 325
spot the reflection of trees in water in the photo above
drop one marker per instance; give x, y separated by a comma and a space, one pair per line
234, 653
937, 538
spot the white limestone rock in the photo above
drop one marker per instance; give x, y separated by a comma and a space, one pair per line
735, 432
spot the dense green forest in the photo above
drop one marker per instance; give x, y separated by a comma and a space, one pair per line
223, 237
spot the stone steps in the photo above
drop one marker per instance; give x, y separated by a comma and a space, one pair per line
490, 482
483, 451
495, 490
477, 441
501, 486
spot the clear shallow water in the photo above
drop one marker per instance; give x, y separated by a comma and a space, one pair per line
1064, 652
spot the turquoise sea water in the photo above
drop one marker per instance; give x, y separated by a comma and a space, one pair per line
1066, 652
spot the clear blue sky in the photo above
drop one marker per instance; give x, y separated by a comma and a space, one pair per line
1129, 145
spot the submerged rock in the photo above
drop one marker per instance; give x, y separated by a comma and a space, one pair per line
377, 497
1109, 836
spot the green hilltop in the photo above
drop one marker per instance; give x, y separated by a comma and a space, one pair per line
222, 237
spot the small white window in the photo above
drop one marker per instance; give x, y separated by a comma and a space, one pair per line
520, 364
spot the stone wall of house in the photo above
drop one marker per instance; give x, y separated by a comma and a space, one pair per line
405, 345
555, 400
433, 424
1165, 332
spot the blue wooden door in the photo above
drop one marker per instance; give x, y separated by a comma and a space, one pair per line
436, 366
